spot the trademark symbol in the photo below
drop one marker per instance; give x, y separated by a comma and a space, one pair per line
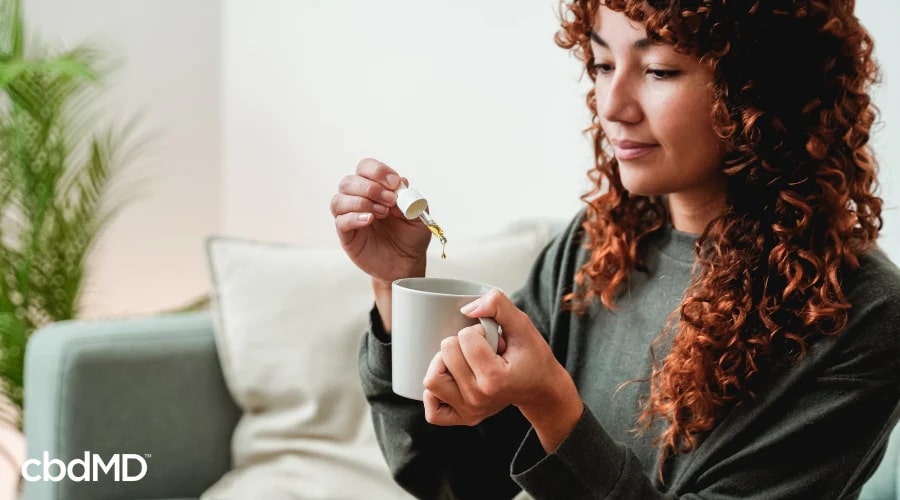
148, 455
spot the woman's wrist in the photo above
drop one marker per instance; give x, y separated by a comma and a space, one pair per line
556, 410
382, 291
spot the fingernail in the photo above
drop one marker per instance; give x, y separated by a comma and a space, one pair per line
363, 217
389, 197
380, 209
392, 180
471, 306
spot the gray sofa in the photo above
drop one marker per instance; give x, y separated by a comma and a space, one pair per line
147, 386
153, 387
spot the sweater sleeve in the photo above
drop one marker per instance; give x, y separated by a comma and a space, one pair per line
587, 464
818, 430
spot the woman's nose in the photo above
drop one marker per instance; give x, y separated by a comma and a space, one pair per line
617, 100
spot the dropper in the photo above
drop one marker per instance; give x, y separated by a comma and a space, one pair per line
414, 205
434, 228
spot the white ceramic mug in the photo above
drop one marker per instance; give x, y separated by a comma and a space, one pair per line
424, 312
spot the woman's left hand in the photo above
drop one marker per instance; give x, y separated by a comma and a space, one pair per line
467, 381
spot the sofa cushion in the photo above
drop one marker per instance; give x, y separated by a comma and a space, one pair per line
288, 322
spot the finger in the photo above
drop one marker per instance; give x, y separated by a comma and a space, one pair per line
457, 364
476, 350
495, 304
438, 412
349, 222
357, 185
435, 369
501, 344
342, 204
440, 381
377, 171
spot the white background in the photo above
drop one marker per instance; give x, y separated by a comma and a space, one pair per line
258, 108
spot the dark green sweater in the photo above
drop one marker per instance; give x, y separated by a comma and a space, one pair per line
818, 431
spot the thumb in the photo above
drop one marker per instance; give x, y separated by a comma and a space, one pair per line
495, 304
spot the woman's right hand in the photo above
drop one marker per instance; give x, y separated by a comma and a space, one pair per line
373, 232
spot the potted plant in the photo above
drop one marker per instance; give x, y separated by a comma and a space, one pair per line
56, 171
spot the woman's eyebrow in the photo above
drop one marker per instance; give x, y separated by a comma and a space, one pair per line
641, 44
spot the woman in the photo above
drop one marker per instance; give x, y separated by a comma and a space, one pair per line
716, 323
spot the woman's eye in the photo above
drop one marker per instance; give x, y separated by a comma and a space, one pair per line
602, 68
662, 74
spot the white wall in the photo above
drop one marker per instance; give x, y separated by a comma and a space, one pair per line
263, 106
151, 258
470, 99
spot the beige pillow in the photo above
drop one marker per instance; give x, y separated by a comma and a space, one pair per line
288, 322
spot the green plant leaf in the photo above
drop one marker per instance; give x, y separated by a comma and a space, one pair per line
11, 30
56, 180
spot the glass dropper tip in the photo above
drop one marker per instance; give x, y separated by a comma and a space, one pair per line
433, 227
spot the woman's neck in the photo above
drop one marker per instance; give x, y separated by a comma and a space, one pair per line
691, 213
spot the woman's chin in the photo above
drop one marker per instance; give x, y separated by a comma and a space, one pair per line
641, 186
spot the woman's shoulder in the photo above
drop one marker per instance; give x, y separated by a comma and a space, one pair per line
563, 252
877, 279
873, 292
868, 344
568, 234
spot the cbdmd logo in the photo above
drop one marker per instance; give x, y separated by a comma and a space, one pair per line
90, 468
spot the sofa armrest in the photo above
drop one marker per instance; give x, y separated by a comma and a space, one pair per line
151, 387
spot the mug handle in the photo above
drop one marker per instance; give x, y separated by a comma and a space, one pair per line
491, 332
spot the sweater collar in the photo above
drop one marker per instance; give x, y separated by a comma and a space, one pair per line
678, 245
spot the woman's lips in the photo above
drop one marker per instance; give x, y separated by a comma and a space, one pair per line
630, 150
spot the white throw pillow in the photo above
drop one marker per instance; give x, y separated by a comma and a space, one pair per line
288, 322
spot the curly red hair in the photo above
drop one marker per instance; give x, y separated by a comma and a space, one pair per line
792, 108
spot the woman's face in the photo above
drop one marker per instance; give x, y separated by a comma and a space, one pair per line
654, 106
